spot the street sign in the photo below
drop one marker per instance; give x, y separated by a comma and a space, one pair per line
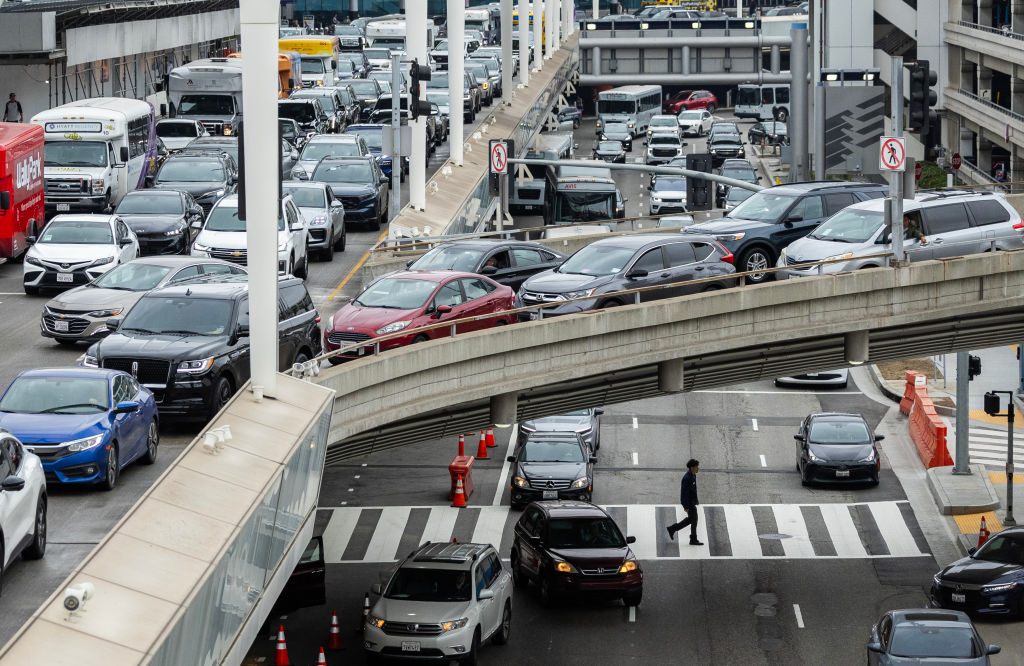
499, 156
917, 171
956, 161
892, 153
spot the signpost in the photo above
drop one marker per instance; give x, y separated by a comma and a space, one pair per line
956, 161
498, 155
892, 153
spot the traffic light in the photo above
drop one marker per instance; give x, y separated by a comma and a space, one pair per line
973, 366
698, 190
921, 116
992, 405
417, 73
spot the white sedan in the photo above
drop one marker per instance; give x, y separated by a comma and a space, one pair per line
74, 249
696, 121
22, 502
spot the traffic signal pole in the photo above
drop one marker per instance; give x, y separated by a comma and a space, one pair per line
992, 404
896, 178
962, 461
395, 200
416, 40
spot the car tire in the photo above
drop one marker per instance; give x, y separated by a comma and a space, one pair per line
633, 598
711, 108
422, 337
613, 303
110, 478
31, 291
328, 252
781, 115
152, 443
340, 244
37, 548
756, 259
504, 631
222, 392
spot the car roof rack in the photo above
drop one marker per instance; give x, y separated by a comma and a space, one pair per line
945, 192
452, 553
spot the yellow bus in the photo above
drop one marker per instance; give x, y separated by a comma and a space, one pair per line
319, 56
543, 26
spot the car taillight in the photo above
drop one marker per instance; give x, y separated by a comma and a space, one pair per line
318, 319
1019, 226
726, 254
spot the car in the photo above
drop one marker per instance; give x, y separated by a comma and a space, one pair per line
734, 196
440, 122
757, 230
572, 549
460, 596
330, 102
224, 236
327, 145
494, 69
470, 44
385, 76
617, 132
551, 465
663, 124
188, 342
989, 581
439, 82
826, 379
952, 224
662, 148
620, 205
507, 262
215, 143
358, 182
584, 422
206, 176
474, 83
772, 133
696, 122
737, 169
359, 62
176, 133
289, 130
324, 215
440, 54
81, 314
351, 36
289, 156
837, 448
349, 102
676, 14
381, 115
408, 300
668, 194
75, 249
379, 58
926, 636
570, 113
627, 262
161, 219
495, 52
367, 91
441, 99
723, 126
610, 151
691, 99
23, 503
373, 135
86, 425
483, 77
723, 146
308, 113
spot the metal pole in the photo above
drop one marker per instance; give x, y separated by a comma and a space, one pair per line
259, 21
819, 131
798, 170
536, 18
524, 9
1009, 520
896, 178
395, 202
506, 50
416, 39
503, 185
549, 35
963, 418
1020, 369
456, 77
597, 11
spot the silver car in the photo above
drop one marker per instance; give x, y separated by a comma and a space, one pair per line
585, 422
326, 145
324, 215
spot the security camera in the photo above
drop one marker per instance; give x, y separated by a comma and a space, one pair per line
76, 596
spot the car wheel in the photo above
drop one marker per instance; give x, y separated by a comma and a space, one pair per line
546, 597
340, 244
37, 548
328, 252
519, 579
781, 115
422, 337
633, 598
711, 287
611, 304
31, 291
711, 108
505, 630
754, 260
110, 479
222, 392
152, 443
472, 659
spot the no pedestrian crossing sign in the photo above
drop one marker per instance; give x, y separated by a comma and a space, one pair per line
499, 156
892, 153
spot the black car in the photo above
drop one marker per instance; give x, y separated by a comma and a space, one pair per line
837, 448
360, 63
617, 132
723, 146
360, 185
308, 113
989, 581
759, 228
330, 102
205, 144
610, 151
504, 261
772, 133
161, 219
367, 92
723, 127
585, 422
551, 466
188, 343
349, 101
289, 130
206, 176
738, 170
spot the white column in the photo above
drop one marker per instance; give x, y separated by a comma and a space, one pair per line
416, 39
456, 75
557, 27
538, 35
506, 50
739, 8
259, 28
597, 11
523, 8
548, 37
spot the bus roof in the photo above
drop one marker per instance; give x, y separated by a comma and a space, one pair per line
228, 64
638, 91
97, 109
325, 45
557, 141
602, 173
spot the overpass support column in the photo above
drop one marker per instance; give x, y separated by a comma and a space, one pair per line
595, 60
456, 77
524, 7
416, 14
504, 408
539, 7
506, 51
776, 59
670, 376
686, 60
856, 347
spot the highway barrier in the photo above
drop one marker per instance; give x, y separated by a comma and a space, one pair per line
927, 428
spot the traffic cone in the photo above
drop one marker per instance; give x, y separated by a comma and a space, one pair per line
321, 660
281, 654
490, 437
366, 612
982, 533
334, 635
481, 449
462, 446
460, 496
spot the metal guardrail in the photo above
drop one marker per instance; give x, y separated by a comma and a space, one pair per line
989, 103
996, 31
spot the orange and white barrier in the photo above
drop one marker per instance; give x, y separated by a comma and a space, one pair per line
927, 428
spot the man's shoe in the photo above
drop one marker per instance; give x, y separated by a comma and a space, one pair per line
671, 533
694, 542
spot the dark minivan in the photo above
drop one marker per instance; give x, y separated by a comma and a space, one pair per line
506, 262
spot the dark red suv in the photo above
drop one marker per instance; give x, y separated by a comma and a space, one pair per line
571, 548
691, 99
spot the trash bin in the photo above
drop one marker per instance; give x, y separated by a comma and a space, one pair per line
461, 465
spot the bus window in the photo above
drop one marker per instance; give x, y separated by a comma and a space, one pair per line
767, 96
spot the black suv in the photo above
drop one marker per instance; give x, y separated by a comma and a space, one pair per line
767, 221
308, 113
189, 343
507, 262
361, 186
206, 176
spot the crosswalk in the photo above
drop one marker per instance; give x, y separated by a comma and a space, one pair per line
736, 531
988, 446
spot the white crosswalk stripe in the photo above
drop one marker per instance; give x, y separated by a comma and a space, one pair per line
736, 531
988, 446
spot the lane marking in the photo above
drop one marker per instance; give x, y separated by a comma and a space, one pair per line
636, 458
505, 466
635, 424
781, 392
753, 422
359, 264
632, 613
764, 463
799, 616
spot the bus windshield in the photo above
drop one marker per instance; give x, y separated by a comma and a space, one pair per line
312, 66
584, 206
616, 106
749, 96
75, 154
217, 105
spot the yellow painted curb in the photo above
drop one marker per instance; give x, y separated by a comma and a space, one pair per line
1000, 477
970, 523
980, 415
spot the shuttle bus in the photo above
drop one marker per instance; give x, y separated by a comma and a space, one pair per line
546, 146
767, 101
633, 106
480, 19
210, 91
319, 57
579, 195
96, 151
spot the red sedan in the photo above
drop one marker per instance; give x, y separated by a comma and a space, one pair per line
691, 99
408, 300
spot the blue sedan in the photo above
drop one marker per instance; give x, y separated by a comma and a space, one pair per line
85, 424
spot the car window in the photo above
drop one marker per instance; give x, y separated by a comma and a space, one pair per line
679, 254
925, 640
185, 273
478, 577
987, 212
291, 214
837, 201
527, 257
475, 288
885, 630
133, 387
650, 261
809, 208
943, 219
529, 521
220, 269
122, 390
5, 463
449, 294
701, 251
295, 301
492, 567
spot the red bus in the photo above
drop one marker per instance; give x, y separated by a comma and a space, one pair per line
21, 186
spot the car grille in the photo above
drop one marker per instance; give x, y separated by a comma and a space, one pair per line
48, 452
606, 572
354, 202
234, 256
78, 278
213, 126
411, 629
148, 372
66, 185
550, 484
346, 337
663, 152
76, 325
535, 298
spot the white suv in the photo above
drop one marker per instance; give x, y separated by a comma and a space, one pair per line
22, 503
441, 602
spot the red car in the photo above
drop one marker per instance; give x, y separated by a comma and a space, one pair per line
408, 300
691, 99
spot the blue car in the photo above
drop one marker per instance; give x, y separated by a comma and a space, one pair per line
85, 424
374, 137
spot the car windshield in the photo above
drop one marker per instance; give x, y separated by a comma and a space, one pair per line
933, 640
317, 150
346, 30
416, 584
75, 154
312, 66
838, 432
374, 138
287, 128
763, 207
178, 315
133, 276
613, 146
690, 115
584, 206
725, 128
225, 218
176, 130
366, 88
326, 101
584, 533
146, 203
191, 171
552, 450
378, 54
667, 121
852, 225
616, 128
1004, 548
597, 260
669, 183
727, 139
344, 172
302, 112
737, 195
396, 294
748, 96
441, 45
214, 105
449, 258
439, 98
77, 232
56, 395
306, 197
740, 173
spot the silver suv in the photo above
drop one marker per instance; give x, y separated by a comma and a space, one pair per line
442, 602
940, 224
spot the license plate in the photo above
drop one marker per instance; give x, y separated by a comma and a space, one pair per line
842, 473
550, 494
958, 598
61, 326
65, 277
63, 207
533, 316
410, 646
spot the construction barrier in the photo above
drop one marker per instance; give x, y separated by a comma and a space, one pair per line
461, 466
927, 428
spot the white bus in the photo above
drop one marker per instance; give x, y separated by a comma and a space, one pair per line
391, 33
209, 91
766, 101
632, 105
96, 151
480, 19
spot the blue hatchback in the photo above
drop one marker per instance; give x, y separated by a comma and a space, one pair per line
85, 424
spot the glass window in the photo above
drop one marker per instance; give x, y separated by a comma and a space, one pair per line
838, 432
150, 203
1005, 548
177, 130
479, 577
343, 172
133, 276
652, 260
599, 532
474, 288
838, 201
809, 208
295, 301
597, 259
218, 269
187, 272
121, 389
449, 294
933, 640
291, 214
179, 315
133, 387
943, 219
6, 469
855, 225
56, 395
191, 171
680, 254
529, 521
987, 212
308, 197
77, 232
438, 585
539, 449
767, 96
527, 257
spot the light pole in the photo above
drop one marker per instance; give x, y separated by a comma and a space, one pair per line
992, 405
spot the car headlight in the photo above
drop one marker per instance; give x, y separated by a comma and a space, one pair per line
83, 444
213, 194
89, 361
283, 245
564, 567
519, 482
177, 231
583, 293
484, 85
598, 124
742, 152
658, 199
99, 314
393, 327
199, 247
581, 482
585, 431
813, 458
838, 256
196, 367
319, 220
714, 152
33, 261
995, 589
729, 237
452, 625
868, 458
101, 261
629, 125
649, 132
937, 580
782, 255
627, 566
298, 173
97, 186
374, 621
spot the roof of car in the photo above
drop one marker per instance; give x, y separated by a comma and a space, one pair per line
837, 416
929, 615
817, 185
346, 158
154, 192
215, 138
211, 286
431, 275
333, 138
180, 260
205, 155
488, 243
97, 373
312, 184
636, 241
449, 553
570, 509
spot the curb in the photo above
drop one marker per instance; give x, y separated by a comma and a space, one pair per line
876, 377
947, 508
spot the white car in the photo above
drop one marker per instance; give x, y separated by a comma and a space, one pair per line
663, 124
695, 121
223, 236
73, 250
22, 503
176, 133
663, 148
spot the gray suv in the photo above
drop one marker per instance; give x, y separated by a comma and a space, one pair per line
941, 224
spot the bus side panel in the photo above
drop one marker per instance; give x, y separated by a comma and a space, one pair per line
21, 174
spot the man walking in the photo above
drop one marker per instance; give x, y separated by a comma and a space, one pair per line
13, 112
688, 498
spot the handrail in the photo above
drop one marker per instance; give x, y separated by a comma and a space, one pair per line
997, 31
990, 103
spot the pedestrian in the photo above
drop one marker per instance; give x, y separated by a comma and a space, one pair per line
13, 112
688, 498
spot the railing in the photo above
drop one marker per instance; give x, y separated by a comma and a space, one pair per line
979, 174
992, 105
995, 31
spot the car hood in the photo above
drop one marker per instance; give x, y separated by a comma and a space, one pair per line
95, 298
70, 253
352, 189
593, 558
814, 249
177, 142
724, 225
542, 471
617, 136
152, 224
360, 318
555, 283
973, 571
52, 428
611, 153
421, 612
669, 193
309, 214
840, 452
562, 423
227, 240
162, 346
195, 189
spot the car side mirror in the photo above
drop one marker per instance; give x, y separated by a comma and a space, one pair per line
31, 240
232, 179
293, 154
442, 310
759, 179
197, 224
301, 175
636, 273
874, 646
195, 210
297, 226
879, 438
13, 483
125, 241
377, 589
488, 270
384, 181
485, 594
336, 204
535, 539
631, 539
598, 412
124, 154
994, 649
126, 407
242, 331
593, 460
511, 459
795, 218
798, 438
972, 550
113, 323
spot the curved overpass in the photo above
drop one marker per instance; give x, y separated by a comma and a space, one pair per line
546, 367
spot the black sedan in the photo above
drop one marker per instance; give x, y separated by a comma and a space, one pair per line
723, 146
551, 466
360, 185
206, 176
989, 581
832, 447
506, 262
772, 133
610, 151
617, 132
927, 636
161, 219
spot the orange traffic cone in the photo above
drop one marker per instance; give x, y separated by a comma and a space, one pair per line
334, 635
459, 499
462, 445
321, 660
481, 449
982, 533
490, 437
366, 612
281, 654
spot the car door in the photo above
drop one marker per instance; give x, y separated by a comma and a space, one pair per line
497, 265
17, 507
130, 247
526, 262
948, 231
653, 262
238, 357
450, 294
527, 534
307, 585
836, 201
297, 230
682, 266
490, 609
799, 221
126, 424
